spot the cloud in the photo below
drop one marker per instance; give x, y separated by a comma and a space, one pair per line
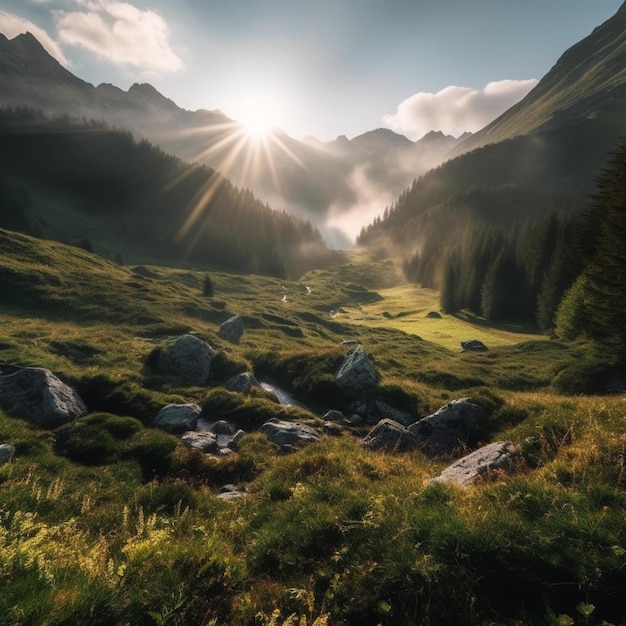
454, 110
120, 33
12, 26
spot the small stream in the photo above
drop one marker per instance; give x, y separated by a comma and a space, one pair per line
284, 397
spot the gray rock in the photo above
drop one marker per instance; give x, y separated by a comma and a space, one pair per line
473, 345
6, 453
242, 383
230, 493
498, 456
448, 429
189, 358
334, 416
200, 440
235, 439
356, 420
177, 418
357, 371
38, 396
433, 315
222, 427
389, 436
232, 329
285, 434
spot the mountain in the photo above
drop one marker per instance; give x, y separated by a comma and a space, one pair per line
88, 184
541, 155
588, 81
316, 180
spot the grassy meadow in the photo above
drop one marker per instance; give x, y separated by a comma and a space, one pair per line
108, 520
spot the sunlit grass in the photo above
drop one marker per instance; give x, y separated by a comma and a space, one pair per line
406, 308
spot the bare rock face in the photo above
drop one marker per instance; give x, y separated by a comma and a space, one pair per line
449, 428
189, 358
357, 371
232, 329
38, 396
178, 418
497, 456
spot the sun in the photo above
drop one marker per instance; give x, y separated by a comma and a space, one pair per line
258, 117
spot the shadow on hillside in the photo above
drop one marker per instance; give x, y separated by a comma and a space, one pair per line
510, 327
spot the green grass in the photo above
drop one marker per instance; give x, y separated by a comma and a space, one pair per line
110, 521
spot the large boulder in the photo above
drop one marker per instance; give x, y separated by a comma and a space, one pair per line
178, 418
357, 371
286, 434
189, 358
494, 457
389, 436
6, 453
449, 428
232, 329
38, 396
385, 410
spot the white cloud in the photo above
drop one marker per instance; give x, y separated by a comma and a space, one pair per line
455, 110
12, 26
120, 33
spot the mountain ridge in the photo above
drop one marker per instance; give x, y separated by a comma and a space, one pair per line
314, 180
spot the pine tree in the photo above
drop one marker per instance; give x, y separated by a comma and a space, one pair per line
599, 295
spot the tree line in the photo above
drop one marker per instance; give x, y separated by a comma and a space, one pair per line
185, 212
564, 272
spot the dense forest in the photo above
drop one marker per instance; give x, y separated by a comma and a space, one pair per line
485, 254
182, 212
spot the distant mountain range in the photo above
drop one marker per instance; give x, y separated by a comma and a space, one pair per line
542, 155
313, 179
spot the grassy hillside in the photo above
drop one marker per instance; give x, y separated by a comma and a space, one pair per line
111, 521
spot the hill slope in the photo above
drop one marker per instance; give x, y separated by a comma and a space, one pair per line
549, 149
73, 182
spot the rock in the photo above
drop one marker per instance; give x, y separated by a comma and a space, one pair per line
334, 416
204, 441
389, 436
38, 396
230, 492
232, 329
357, 371
189, 358
447, 429
242, 383
235, 439
177, 418
433, 315
6, 453
222, 427
498, 456
385, 410
285, 434
473, 345
356, 420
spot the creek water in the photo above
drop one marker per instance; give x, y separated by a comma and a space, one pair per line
284, 397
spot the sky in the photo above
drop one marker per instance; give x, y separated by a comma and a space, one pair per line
318, 68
